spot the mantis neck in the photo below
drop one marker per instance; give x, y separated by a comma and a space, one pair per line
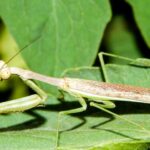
26, 74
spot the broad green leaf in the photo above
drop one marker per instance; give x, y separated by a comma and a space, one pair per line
124, 146
131, 75
71, 31
65, 45
141, 13
89, 73
90, 130
118, 74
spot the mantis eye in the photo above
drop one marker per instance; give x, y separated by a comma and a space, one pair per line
5, 74
4, 71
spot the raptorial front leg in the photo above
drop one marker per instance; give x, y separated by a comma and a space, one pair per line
25, 103
37, 89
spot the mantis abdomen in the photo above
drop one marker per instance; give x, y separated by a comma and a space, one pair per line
109, 90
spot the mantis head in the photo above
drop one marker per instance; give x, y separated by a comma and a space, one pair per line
4, 71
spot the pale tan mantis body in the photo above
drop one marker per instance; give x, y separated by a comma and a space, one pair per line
98, 93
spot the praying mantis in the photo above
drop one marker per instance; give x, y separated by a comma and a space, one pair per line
99, 94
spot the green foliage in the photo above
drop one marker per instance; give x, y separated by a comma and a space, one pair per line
142, 16
68, 28
71, 33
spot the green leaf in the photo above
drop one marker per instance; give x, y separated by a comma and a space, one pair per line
118, 74
90, 130
131, 75
142, 16
70, 30
125, 146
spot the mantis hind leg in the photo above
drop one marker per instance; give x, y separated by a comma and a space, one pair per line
101, 54
109, 105
25, 103
141, 62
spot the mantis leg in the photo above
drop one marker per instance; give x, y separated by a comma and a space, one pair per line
76, 110
71, 111
101, 54
142, 62
105, 103
109, 104
24, 103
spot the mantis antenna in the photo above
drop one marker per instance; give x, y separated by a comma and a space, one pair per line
5, 74
19, 51
27, 45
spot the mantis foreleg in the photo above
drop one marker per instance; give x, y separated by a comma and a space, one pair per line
25, 103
